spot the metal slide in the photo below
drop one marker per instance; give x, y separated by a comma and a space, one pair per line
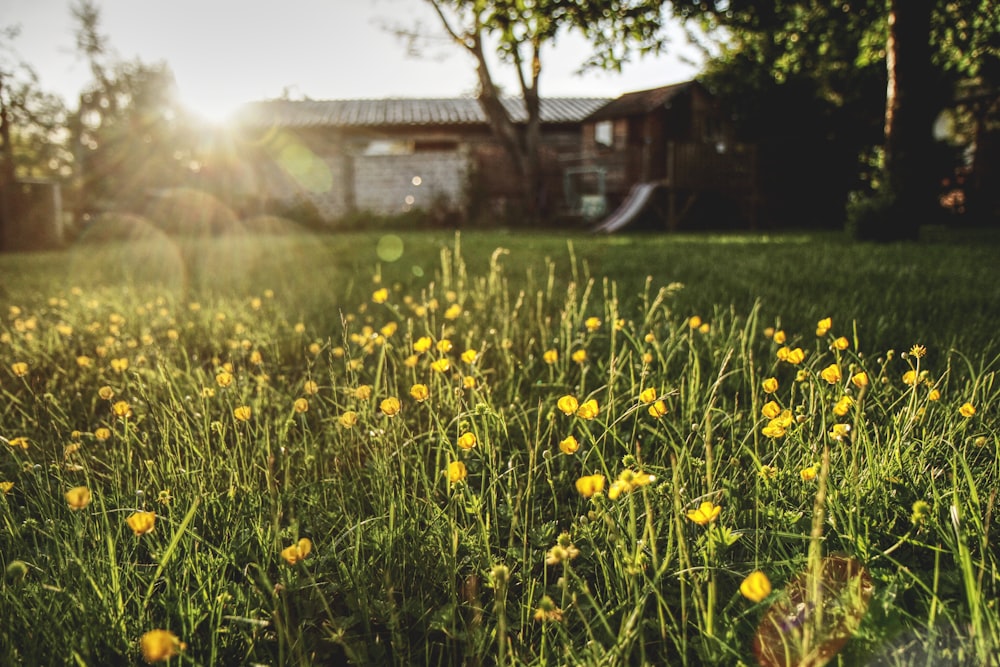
637, 200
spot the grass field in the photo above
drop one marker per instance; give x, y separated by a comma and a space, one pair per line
500, 449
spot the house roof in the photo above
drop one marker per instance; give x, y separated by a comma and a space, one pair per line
405, 111
642, 101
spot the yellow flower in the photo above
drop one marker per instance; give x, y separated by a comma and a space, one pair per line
796, 356
592, 323
224, 379
467, 440
657, 409
860, 379
422, 344
808, 474
579, 356
19, 368
563, 550
389, 329
910, 377
831, 374
301, 405
102, 433
705, 514
768, 472
310, 387
469, 382
704, 328
567, 404
843, 406
779, 337
419, 392
590, 485
256, 358
967, 410
782, 353
770, 385
469, 356
5, 487
444, 346
694, 322
756, 586
299, 327
142, 522
298, 551
78, 497
648, 395
316, 348
550, 356
390, 406
363, 392
453, 312
774, 429
918, 351
121, 410
159, 645
457, 472
629, 480
588, 410
840, 431
841, 343
348, 419
380, 295
569, 445
19, 442
243, 413
547, 610
119, 365
770, 410
84, 361
823, 326
441, 365
934, 395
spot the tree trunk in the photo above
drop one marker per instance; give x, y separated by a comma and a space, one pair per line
8, 199
910, 110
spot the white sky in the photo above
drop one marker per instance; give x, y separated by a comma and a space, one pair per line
227, 52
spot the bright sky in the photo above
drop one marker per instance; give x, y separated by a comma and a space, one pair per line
227, 52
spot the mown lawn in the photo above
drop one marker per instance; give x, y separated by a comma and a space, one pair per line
500, 448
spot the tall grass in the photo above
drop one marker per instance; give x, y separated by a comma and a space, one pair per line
587, 463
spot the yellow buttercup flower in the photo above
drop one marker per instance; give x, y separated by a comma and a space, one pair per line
301, 405
102, 433
20, 442
119, 365
348, 419
796, 356
467, 440
629, 480
704, 328
419, 392
224, 379
934, 395
694, 322
840, 431
380, 295
860, 379
19, 368
142, 522
782, 353
457, 472
756, 586
121, 410
567, 404
770, 410
590, 485
444, 346
648, 395
390, 406
843, 406
243, 413
774, 429
657, 409
831, 374
705, 513
441, 365
550, 356
310, 388
823, 326
770, 385
159, 645
453, 312
5, 487
469, 356
778, 337
569, 445
592, 323
841, 343
469, 382
588, 410
363, 392
422, 344
297, 552
910, 377
967, 410
579, 356
808, 474
918, 351
78, 497
84, 361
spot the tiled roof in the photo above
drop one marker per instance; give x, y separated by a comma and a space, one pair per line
404, 111
641, 102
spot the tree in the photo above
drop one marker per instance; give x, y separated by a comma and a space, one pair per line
829, 41
517, 32
32, 136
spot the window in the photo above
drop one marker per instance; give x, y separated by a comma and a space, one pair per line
604, 133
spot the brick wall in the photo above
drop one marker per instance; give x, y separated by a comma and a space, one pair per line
388, 184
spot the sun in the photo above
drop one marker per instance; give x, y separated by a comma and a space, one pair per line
213, 107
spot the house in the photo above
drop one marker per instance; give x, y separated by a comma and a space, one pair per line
676, 139
387, 156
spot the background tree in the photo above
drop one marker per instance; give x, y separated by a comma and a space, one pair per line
517, 33
33, 140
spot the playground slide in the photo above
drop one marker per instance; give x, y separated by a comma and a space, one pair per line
637, 200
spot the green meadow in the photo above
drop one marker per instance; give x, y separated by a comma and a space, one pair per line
499, 448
